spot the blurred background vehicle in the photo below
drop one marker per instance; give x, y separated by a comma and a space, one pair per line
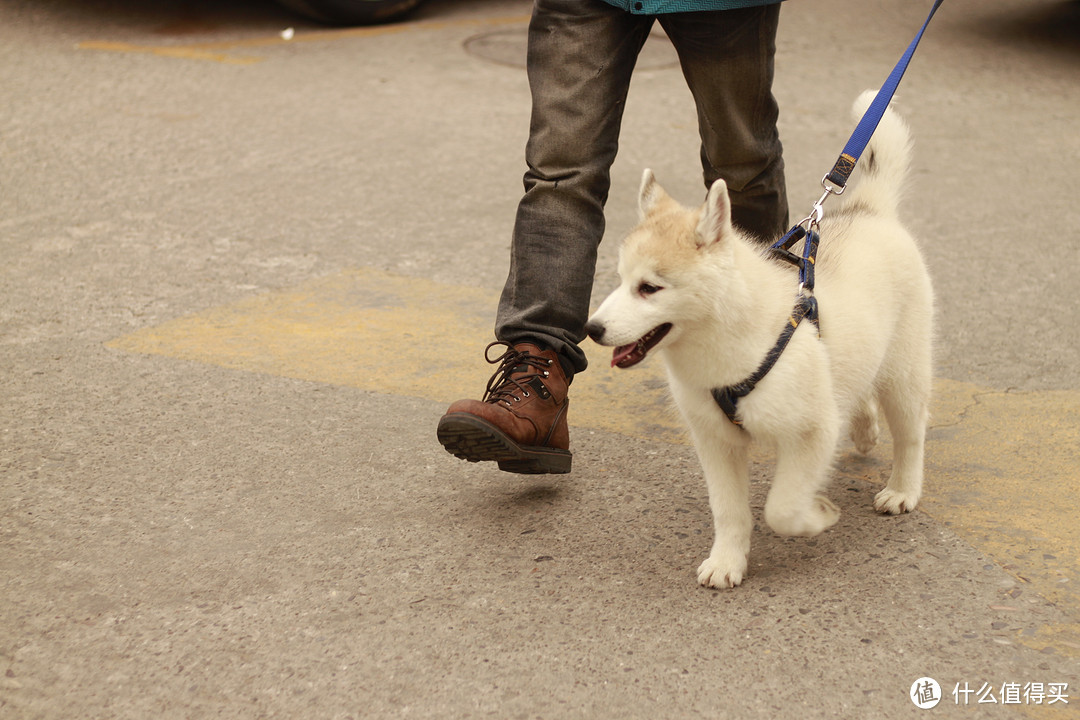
352, 12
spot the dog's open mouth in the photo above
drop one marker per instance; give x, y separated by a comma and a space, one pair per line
626, 355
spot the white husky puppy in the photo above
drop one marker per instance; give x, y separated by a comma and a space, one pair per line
712, 304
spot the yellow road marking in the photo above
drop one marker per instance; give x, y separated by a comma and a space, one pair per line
1002, 467
186, 52
216, 51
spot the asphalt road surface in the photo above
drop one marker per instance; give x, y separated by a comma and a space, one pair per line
243, 271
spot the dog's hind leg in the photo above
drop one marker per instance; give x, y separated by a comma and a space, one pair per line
728, 479
795, 505
906, 411
864, 425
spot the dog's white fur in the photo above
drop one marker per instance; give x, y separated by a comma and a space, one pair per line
727, 303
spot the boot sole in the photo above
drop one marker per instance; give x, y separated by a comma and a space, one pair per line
475, 440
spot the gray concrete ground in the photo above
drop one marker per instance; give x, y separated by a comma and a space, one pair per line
213, 503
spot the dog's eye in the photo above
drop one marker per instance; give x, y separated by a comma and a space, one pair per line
648, 289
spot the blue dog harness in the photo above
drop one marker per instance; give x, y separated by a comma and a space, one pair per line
728, 397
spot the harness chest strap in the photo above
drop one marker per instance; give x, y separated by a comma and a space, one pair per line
728, 397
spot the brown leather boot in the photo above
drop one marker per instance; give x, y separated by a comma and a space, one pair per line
521, 422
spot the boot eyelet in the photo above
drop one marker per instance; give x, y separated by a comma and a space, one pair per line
547, 374
526, 394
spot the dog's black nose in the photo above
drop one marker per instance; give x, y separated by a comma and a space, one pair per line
595, 330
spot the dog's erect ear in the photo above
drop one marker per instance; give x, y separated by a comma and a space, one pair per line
715, 220
650, 193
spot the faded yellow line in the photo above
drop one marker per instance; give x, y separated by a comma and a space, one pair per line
1003, 468
188, 52
375, 331
216, 51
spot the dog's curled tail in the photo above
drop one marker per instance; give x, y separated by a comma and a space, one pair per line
885, 161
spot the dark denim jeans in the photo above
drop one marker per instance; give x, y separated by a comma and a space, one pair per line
581, 56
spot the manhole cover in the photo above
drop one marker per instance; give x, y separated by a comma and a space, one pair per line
508, 47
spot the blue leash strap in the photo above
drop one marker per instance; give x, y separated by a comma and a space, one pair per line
845, 164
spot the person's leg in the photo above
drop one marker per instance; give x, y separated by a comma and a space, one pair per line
581, 56
727, 60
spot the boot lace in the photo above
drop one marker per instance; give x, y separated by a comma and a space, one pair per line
511, 381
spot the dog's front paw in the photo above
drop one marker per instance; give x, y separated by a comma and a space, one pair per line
722, 569
827, 511
809, 521
893, 502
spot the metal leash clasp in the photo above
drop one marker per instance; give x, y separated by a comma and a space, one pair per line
811, 225
818, 210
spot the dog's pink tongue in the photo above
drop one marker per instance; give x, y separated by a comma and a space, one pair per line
621, 353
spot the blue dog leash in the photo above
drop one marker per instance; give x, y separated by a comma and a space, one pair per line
845, 164
836, 179
833, 183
